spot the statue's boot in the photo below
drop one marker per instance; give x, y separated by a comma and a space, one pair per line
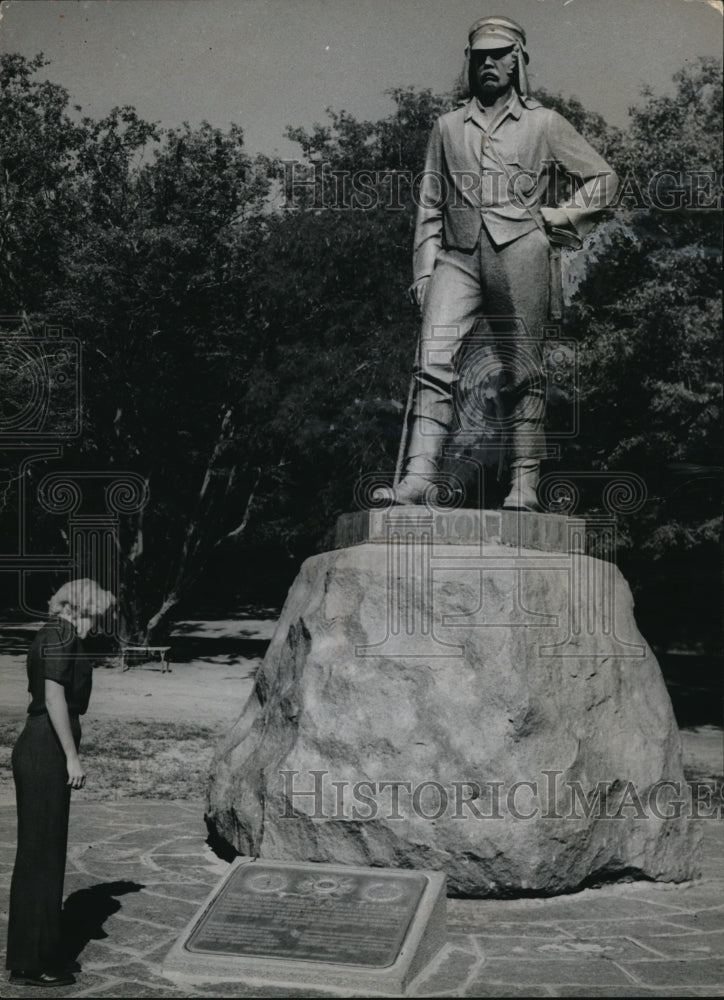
426, 440
525, 473
413, 489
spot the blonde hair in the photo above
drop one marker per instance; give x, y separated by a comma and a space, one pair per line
81, 598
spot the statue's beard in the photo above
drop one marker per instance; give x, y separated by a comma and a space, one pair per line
492, 87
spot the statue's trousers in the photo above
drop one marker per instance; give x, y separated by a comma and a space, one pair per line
509, 287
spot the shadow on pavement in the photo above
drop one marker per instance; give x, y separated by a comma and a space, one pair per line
695, 688
15, 642
241, 644
186, 648
86, 911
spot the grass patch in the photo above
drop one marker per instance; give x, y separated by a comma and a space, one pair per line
152, 760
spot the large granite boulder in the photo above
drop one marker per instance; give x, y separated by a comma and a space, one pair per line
486, 711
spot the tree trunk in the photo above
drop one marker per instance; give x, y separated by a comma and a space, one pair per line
158, 625
202, 536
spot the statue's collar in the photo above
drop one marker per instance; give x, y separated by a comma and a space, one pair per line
475, 111
514, 108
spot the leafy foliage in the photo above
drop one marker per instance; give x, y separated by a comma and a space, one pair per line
648, 318
38, 203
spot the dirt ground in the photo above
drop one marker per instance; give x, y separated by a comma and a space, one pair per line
205, 689
148, 733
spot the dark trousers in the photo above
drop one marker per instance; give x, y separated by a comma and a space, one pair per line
36, 890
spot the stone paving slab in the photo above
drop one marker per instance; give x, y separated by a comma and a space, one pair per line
138, 870
627, 991
684, 946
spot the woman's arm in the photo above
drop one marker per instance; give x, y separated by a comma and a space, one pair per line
58, 711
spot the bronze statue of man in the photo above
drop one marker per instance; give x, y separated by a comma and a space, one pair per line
482, 250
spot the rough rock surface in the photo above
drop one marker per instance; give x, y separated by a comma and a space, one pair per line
508, 690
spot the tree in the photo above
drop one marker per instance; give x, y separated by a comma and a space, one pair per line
154, 289
648, 319
146, 265
39, 146
328, 289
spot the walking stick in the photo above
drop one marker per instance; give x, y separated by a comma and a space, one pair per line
405, 436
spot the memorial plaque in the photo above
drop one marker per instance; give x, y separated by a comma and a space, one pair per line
352, 919
322, 924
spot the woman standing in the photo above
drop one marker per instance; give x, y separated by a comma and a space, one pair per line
46, 766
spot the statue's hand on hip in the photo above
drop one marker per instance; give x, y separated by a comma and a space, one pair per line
555, 218
418, 291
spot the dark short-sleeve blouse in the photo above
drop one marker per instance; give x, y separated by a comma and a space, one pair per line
56, 654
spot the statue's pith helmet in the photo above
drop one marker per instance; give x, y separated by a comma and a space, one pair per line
497, 32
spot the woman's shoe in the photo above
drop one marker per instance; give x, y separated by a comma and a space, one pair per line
19, 978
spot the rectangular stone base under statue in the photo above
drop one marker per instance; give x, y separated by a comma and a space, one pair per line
547, 532
367, 930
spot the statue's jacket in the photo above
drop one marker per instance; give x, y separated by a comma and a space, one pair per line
497, 174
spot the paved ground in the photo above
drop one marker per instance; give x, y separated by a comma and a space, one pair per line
137, 870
